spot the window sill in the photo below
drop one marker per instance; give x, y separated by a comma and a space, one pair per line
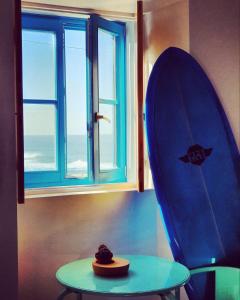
79, 190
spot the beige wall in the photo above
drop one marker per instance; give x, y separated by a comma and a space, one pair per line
214, 41
8, 211
166, 24
53, 231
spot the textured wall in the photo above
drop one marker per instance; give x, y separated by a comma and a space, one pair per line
57, 230
8, 211
166, 25
215, 42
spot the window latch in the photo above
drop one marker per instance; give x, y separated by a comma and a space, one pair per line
101, 117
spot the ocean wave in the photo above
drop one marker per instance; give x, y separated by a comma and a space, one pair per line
77, 164
30, 166
31, 155
31, 163
82, 165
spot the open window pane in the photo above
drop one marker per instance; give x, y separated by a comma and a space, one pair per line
76, 103
65, 83
107, 137
39, 64
107, 65
39, 137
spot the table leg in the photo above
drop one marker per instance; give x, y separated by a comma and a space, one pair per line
166, 296
79, 296
177, 293
63, 294
171, 296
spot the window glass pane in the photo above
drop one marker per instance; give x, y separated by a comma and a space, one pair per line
39, 64
39, 137
107, 137
76, 103
106, 65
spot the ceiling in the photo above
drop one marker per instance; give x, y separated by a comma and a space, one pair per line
126, 6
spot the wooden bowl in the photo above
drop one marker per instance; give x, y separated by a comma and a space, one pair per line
119, 267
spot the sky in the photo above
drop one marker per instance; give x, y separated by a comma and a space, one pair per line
39, 78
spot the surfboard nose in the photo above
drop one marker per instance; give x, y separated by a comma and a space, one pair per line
175, 52
167, 58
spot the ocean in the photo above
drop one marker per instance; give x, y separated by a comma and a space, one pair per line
40, 154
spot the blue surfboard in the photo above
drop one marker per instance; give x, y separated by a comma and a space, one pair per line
195, 165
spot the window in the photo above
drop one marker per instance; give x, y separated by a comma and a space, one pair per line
74, 101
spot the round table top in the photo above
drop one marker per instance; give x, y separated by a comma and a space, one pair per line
147, 275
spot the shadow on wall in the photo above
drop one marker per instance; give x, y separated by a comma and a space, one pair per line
54, 231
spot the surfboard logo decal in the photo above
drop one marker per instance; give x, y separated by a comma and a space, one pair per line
196, 155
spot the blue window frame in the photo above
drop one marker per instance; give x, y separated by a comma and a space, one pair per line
74, 101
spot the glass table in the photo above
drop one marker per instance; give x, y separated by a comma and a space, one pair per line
148, 275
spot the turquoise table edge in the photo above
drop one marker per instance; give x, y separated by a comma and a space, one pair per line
156, 264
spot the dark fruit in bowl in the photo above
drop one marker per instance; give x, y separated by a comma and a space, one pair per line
104, 255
